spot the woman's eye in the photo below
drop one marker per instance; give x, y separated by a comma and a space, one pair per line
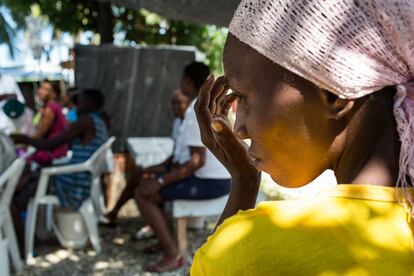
241, 99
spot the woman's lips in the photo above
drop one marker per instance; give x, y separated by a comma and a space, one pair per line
255, 160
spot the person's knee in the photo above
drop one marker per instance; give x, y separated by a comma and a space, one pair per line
137, 194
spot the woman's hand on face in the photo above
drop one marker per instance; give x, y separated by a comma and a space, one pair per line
212, 108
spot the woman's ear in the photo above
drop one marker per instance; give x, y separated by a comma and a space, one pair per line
336, 107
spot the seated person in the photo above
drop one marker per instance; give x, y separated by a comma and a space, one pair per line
69, 102
196, 174
52, 123
314, 93
179, 104
86, 135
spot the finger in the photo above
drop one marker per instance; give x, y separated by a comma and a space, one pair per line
218, 89
203, 113
220, 100
203, 98
226, 105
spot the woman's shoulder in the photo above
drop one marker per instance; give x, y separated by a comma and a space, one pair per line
280, 233
54, 106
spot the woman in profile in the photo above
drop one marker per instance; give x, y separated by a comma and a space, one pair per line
52, 123
320, 85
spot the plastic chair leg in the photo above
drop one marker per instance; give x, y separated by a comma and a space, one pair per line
91, 222
49, 217
13, 246
4, 258
97, 197
30, 227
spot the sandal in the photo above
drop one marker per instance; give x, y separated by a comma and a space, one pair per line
166, 264
144, 233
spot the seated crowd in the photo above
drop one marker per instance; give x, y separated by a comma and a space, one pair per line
76, 122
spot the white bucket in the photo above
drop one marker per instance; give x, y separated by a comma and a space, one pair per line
70, 229
4, 258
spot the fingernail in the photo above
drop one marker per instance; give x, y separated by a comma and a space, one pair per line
216, 126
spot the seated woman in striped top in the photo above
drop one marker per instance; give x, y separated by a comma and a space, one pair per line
86, 135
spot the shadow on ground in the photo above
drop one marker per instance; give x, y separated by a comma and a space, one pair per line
121, 253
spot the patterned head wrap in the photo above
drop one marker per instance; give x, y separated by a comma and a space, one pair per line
349, 47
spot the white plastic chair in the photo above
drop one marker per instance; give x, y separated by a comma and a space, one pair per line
91, 208
8, 182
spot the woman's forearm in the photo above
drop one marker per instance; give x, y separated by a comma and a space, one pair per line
42, 144
181, 172
243, 195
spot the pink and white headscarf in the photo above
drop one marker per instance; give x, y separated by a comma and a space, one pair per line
349, 47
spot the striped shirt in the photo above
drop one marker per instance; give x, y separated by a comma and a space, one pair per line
73, 189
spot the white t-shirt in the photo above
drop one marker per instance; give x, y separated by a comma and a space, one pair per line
189, 136
8, 86
176, 128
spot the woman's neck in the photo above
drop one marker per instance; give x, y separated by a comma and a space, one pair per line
371, 152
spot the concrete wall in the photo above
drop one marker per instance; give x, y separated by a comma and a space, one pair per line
137, 83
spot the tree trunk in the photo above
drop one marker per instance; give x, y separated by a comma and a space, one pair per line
106, 23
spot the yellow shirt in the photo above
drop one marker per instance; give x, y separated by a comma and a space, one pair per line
348, 230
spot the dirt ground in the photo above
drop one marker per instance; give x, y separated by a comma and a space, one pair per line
121, 253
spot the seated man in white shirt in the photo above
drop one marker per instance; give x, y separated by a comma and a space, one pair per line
197, 174
179, 104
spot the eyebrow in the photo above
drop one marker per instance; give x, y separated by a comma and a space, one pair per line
233, 87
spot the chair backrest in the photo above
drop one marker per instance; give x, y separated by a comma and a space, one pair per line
96, 163
7, 152
8, 182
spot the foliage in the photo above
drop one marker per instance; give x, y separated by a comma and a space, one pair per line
143, 27
139, 26
7, 32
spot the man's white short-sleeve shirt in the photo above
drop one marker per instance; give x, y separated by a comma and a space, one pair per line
189, 136
175, 128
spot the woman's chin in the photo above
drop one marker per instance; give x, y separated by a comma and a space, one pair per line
285, 182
